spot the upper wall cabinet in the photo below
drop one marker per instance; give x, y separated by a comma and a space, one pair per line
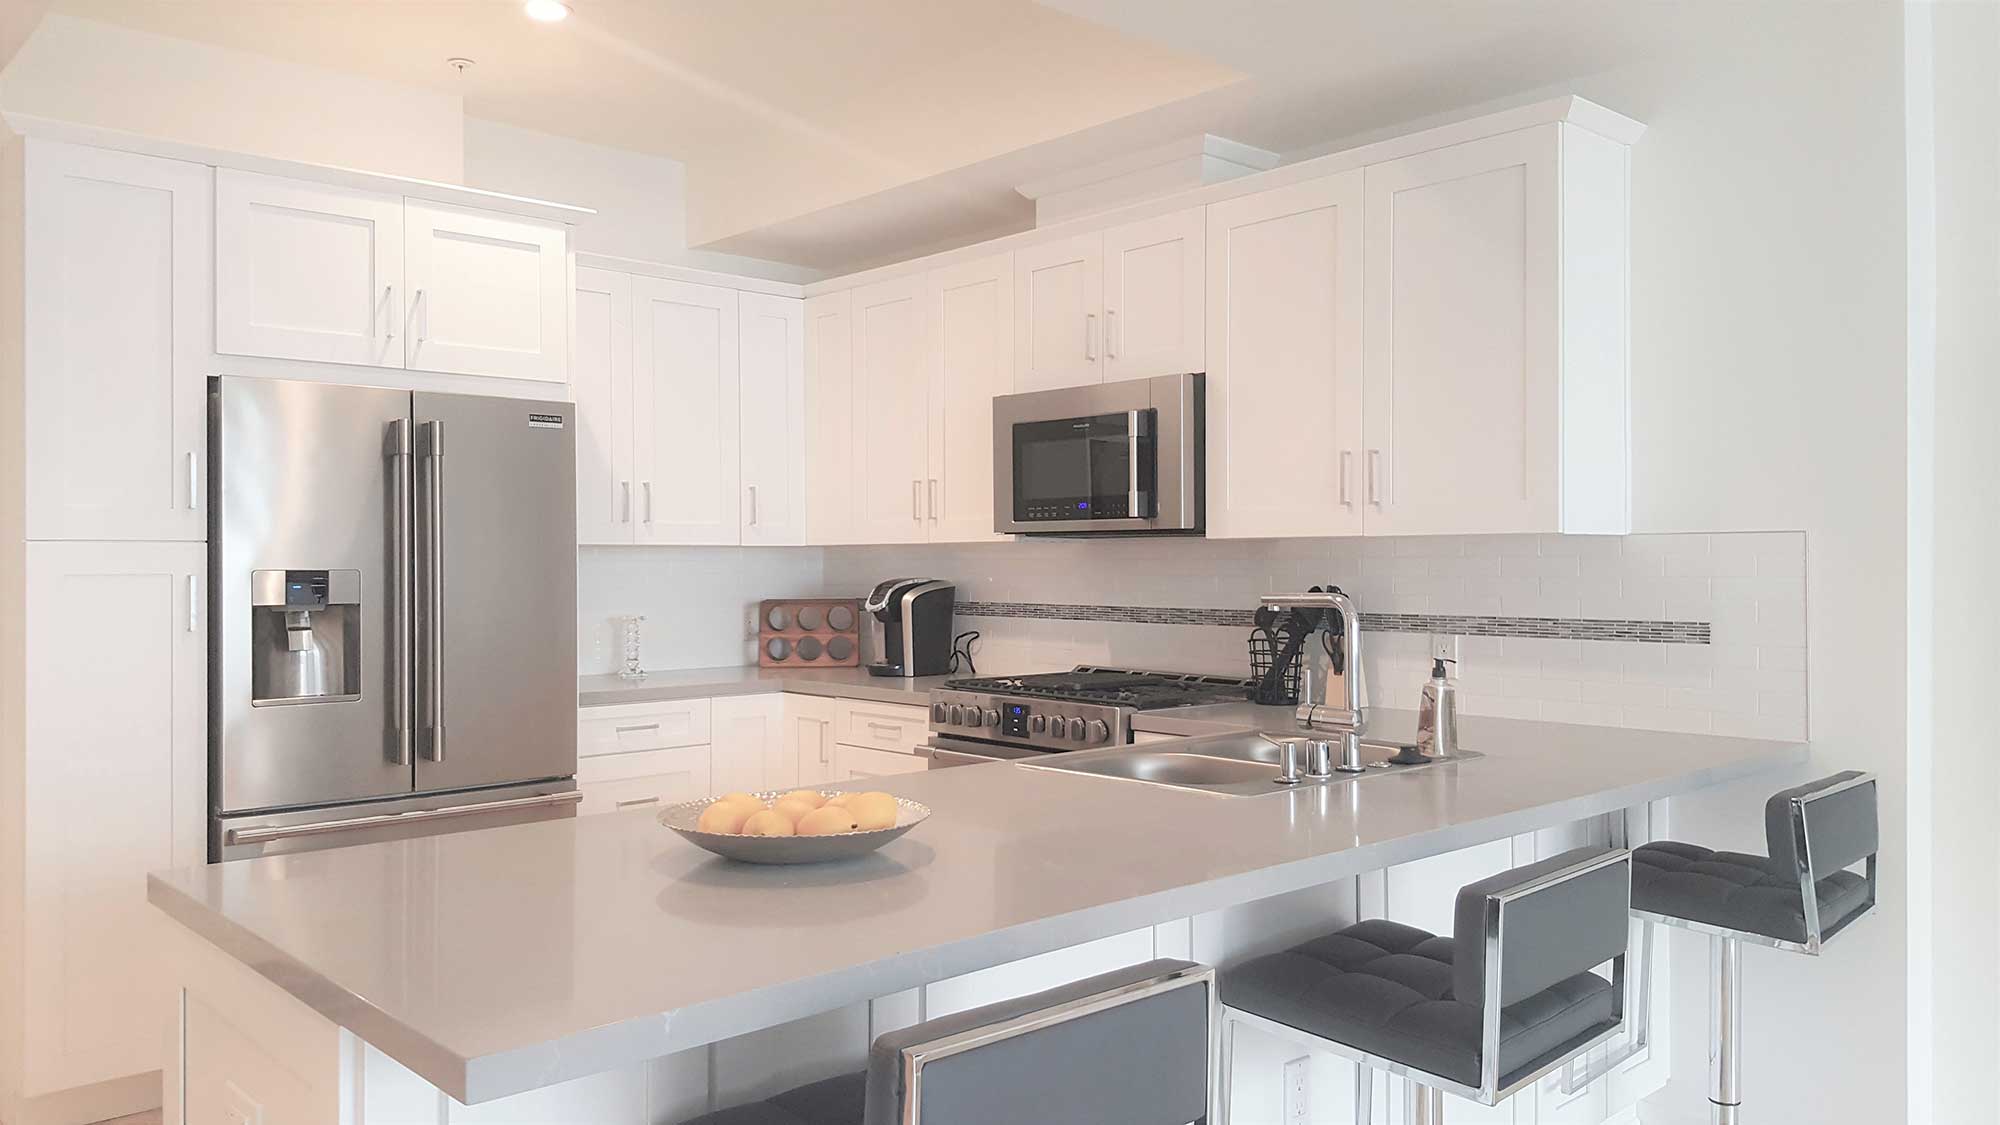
487, 293
829, 412
1496, 382
972, 326
116, 338
1284, 367
772, 358
602, 381
1123, 303
891, 410
685, 403
304, 271
334, 275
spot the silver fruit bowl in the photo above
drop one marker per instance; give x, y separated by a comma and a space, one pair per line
683, 817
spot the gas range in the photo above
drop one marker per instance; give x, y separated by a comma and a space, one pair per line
1050, 712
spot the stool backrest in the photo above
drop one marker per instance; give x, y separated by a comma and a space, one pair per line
1130, 1047
1823, 826
1555, 927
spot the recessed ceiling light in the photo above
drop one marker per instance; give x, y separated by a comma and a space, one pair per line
546, 11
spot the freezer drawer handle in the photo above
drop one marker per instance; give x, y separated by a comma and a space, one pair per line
430, 446
274, 832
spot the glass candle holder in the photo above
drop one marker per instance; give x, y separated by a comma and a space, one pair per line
632, 668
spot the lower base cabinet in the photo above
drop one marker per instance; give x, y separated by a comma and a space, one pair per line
646, 778
853, 762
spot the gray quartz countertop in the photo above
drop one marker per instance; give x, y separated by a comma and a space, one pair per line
497, 961
701, 683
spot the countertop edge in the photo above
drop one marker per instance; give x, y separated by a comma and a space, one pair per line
875, 689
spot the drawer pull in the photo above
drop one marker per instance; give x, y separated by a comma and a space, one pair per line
637, 801
637, 729
892, 728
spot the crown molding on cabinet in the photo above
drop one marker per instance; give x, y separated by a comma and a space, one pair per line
44, 128
690, 274
1568, 108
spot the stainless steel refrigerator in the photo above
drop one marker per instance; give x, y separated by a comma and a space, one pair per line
392, 647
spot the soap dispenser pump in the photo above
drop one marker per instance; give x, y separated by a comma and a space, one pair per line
1437, 713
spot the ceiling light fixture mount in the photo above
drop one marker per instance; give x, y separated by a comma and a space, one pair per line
546, 11
459, 63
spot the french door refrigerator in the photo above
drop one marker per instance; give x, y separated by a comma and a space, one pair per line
392, 640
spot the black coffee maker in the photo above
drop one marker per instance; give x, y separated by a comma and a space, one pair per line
909, 626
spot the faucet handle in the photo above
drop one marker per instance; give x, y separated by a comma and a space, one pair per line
1291, 751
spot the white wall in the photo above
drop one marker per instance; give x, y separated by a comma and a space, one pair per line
640, 199
100, 74
699, 602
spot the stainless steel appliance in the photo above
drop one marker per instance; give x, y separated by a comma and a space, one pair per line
1118, 458
393, 642
991, 718
909, 626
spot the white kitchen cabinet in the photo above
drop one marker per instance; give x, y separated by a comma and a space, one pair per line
809, 741
972, 314
1058, 310
772, 363
116, 345
895, 727
645, 779
307, 271
685, 410
488, 293
1284, 388
891, 410
1495, 329
749, 747
115, 722
1154, 279
601, 378
829, 497
852, 763
626, 728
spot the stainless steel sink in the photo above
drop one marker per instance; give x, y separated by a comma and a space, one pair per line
1231, 765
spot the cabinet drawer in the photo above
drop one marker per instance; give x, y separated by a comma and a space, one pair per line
611, 782
882, 726
630, 727
852, 762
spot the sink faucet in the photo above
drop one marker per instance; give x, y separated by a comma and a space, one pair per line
1348, 718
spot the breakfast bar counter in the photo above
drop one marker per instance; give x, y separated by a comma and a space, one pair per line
494, 962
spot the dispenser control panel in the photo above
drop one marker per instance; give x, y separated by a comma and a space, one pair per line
305, 589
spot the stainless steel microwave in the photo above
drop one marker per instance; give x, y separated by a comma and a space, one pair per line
1119, 458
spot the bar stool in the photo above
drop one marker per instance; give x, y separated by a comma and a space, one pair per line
1797, 898
1131, 1047
1505, 999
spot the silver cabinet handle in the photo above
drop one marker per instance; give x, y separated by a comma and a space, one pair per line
933, 500
825, 745
646, 491
396, 448
1346, 464
273, 832
194, 612
1375, 477
636, 802
917, 500
753, 505
423, 309
893, 728
194, 482
388, 313
635, 729
430, 449
625, 501
1111, 333
1090, 335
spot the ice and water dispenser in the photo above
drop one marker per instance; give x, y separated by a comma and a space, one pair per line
305, 635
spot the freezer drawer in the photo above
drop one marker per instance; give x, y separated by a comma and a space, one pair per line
246, 837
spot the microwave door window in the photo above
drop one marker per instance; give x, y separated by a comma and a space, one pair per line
1074, 469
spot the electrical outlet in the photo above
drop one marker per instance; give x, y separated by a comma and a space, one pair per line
1298, 1099
1444, 646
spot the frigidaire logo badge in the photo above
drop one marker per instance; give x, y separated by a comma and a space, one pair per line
545, 421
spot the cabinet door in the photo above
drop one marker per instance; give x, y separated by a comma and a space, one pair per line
1058, 299
809, 737
117, 329
851, 763
1153, 278
830, 418
304, 271
601, 377
972, 309
772, 359
116, 778
750, 744
1462, 411
684, 393
1284, 387
891, 410
488, 293
616, 782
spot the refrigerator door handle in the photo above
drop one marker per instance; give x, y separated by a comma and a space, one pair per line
396, 448
430, 443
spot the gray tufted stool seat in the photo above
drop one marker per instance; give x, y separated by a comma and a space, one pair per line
1386, 988
837, 1101
1751, 893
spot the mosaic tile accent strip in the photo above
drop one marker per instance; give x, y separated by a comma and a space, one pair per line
1558, 628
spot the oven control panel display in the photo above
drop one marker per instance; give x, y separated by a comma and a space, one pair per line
1014, 720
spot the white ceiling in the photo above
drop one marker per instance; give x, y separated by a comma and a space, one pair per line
840, 134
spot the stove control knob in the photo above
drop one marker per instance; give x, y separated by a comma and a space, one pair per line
1099, 730
957, 716
992, 717
940, 713
1038, 723
1076, 730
